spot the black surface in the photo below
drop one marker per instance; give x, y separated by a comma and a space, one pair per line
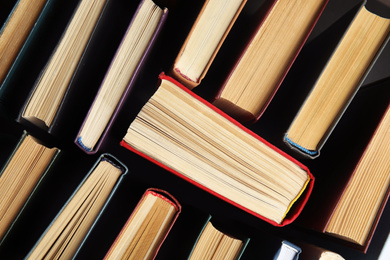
337, 158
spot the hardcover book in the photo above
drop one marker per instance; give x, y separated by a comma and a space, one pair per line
20, 176
188, 136
66, 234
215, 243
127, 63
359, 208
270, 53
204, 40
340, 80
288, 251
15, 30
51, 88
147, 227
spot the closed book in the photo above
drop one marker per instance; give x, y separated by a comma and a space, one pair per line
20, 177
216, 241
53, 86
267, 58
66, 234
340, 79
204, 40
16, 30
288, 251
146, 229
359, 208
122, 74
18, 47
206, 147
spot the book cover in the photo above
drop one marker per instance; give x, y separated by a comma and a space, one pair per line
91, 149
216, 114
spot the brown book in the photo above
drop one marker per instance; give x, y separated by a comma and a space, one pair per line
69, 229
15, 31
145, 230
338, 82
51, 87
267, 58
360, 206
205, 39
20, 176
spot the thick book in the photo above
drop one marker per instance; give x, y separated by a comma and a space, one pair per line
70, 228
18, 36
360, 206
203, 42
52, 86
340, 80
20, 176
15, 31
264, 63
146, 229
126, 65
214, 242
188, 136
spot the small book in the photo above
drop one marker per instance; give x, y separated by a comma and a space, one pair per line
263, 65
359, 208
339, 81
213, 243
15, 30
288, 251
121, 75
73, 223
148, 226
185, 134
203, 42
20, 176
51, 87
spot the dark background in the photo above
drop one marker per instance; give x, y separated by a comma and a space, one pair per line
332, 168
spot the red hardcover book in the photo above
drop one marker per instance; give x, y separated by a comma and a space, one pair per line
132, 236
267, 58
359, 208
219, 155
